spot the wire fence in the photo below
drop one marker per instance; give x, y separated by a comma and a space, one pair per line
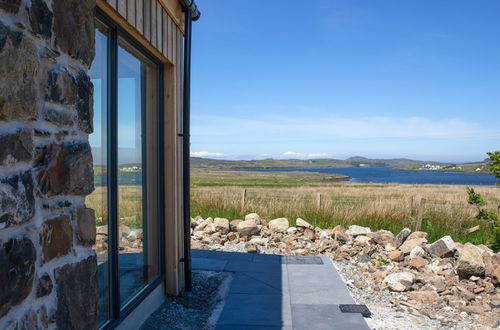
415, 207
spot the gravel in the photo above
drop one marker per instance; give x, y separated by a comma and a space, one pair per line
199, 309
386, 314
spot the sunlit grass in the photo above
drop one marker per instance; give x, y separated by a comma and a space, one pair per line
378, 206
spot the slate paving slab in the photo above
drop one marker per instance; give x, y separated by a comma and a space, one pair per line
276, 292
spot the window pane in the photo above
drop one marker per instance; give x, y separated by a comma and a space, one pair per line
98, 200
136, 159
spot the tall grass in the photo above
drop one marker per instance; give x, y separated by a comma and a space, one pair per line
129, 205
390, 207
378, 206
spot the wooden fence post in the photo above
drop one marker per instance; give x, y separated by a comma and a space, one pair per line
411, 205
420, 214
318, 201
243, 198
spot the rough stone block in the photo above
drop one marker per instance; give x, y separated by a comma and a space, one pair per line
410, 244
221, 225
402, 236
60, 118
17, 147
443, 247
399, 281
65, 169
253, 216
55, 237
301, 223
355, 230
19, 66
279, 225
77, 295
17, 201
248, 228
85, 102
85, 226
40, 18
44, 286
382, 237
10, 6
17, 270
470, 261
61, 87
74, 28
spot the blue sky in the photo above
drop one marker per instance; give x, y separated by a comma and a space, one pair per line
328, 78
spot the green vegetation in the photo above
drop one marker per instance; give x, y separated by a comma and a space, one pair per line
262, 179
216, 164
398, 164
495, 163
379, 206
478, 201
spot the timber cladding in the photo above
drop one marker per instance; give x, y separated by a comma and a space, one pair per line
159, 22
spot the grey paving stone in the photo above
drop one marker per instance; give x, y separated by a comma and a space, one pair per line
314, 284
302, 260
208, 264
268, 294
243, 283
278, 280
251, 327
200, 253
267, 258
255, 310
318, 317
249, 266
231, 256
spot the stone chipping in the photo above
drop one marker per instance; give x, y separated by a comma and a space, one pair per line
403, 289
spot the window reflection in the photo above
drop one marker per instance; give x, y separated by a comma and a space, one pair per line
98, 200
137, 214
136, 207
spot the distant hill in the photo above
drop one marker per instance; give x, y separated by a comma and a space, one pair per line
198, 163
357, 161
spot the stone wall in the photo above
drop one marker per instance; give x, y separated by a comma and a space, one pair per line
47, 267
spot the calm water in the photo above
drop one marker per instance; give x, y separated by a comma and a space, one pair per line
386, 175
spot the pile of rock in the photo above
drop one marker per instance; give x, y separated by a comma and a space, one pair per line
130, 240
433, 278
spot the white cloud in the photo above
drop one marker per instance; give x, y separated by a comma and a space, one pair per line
319, 155
206, 154
299, 155
341, 127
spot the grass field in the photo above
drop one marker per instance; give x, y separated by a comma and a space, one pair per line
295, 194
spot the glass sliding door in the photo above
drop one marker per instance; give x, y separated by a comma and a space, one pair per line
137, 95
125, 146
98, 200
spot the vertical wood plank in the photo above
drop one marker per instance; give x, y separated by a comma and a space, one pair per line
178, 63
139, 14
165, 34
147, 19
171, 39
122, 8
131, 12
112, 3
154, 4
159, 27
